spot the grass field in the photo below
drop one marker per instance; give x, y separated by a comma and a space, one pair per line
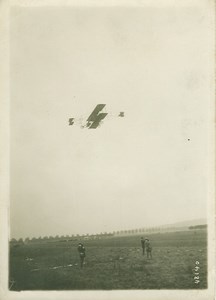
112, 263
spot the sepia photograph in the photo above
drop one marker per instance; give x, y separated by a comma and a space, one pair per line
110, 112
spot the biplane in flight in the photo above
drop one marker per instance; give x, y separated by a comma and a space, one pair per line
95, 118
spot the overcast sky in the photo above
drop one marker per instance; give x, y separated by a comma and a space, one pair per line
145, 169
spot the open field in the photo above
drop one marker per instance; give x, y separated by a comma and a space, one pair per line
112, 263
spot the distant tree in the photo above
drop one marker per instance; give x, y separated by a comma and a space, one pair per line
27, 240
13, 240
198, 226
33, 239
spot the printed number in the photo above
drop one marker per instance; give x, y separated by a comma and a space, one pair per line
196, 269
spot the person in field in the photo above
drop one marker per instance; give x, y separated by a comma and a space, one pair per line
148, 248
143, 245
81, 250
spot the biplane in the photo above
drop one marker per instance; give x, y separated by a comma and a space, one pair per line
95, 118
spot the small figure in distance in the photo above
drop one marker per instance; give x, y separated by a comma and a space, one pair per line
148, 248
143, 245
81, 250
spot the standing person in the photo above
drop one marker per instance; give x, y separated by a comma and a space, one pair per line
81, 250
148, 248
143, 245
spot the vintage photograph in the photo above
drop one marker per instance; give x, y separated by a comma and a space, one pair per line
110, 144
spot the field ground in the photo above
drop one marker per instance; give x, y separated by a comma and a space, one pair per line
112, 263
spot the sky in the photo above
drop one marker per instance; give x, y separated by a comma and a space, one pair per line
146, 169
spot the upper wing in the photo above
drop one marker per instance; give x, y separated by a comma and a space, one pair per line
93, 116
97, 121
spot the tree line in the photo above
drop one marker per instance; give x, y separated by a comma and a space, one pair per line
75, 237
